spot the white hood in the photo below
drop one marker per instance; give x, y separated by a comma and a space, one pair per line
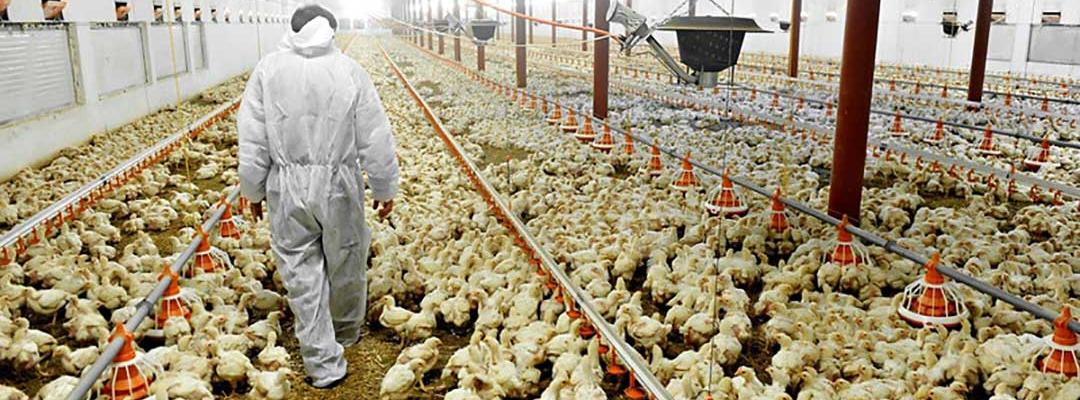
316, 38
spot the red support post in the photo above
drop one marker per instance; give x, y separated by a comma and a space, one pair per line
793, 46
457, 36
519, 39
856, 88
978, 53
601, 67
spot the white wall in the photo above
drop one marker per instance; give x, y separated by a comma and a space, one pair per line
920, 42
229, 49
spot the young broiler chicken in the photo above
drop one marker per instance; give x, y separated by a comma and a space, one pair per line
270, 385
408, 325
427, 352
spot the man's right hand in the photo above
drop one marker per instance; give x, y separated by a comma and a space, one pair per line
387, 207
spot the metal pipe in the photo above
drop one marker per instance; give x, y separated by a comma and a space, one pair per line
457, 35
519, 38
143, 309
978, 52
481, 58
853, 118
584, 22
668, 61
793, 39
601, 63
584, 301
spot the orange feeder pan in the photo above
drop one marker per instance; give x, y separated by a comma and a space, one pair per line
846, 253
932, 301
939, 133
1038, 157
726, 202
986, 146
556, 115
229, 226
613, 367
172, 305
127, 380
633, 391
571, 124
656, 166
687, 179
586, 330
1062, 346
897, 126
586, 134
778, 220
606, 142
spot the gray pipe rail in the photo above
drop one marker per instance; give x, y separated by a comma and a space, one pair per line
584, 301
888, 245
145, 307
72, 199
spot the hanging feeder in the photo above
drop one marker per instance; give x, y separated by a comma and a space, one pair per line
571, 124
556, 115
939, 133
1062, 345
687, 179
727, 202
613, 367
129, 378
606, 142
897, 129
586, 330
172, 304
987, 146
778, 218
656, 166
1038, 156
847, 252
230, 225
628, 143
586, 134
571, 310
209, 258
932, 301
633, 391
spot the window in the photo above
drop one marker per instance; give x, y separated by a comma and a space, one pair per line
1051, 17
122, 10
198, 14
177, 13
159, 13
3, 9
997, 17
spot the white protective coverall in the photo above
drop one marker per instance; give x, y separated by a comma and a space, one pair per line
310, 124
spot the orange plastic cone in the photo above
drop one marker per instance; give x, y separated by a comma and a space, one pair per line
686, 179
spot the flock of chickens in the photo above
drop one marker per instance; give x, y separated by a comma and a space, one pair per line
718, 307
60, 301
696, 294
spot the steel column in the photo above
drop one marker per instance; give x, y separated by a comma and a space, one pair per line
554, 17
440, 15
532, 39
853, 117
601, 55
457, 35
584, 22
519, 39
481, 59
793, 37
978, 53
430, 36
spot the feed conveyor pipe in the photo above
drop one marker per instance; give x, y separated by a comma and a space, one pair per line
80, 199
146, 306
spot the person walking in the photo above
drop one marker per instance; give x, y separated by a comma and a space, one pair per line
311, 123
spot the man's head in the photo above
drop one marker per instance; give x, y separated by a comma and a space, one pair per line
305, 14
